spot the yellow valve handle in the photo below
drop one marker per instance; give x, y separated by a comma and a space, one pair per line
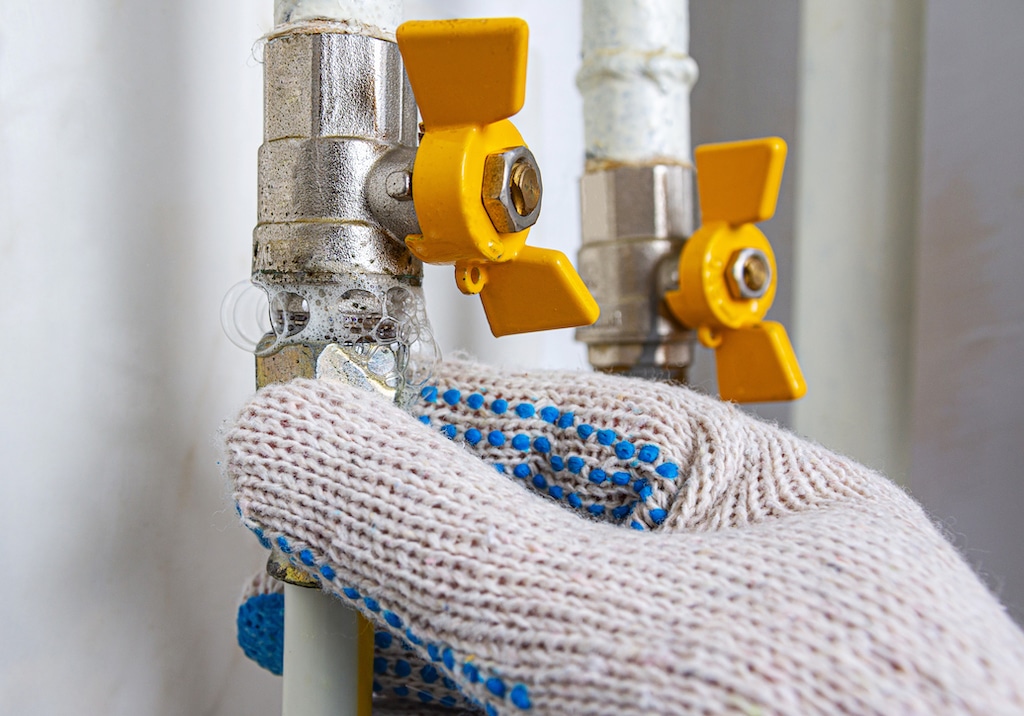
469, 77
727, 272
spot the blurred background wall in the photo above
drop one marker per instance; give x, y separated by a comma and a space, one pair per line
128, 137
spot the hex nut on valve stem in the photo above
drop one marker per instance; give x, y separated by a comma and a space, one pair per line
749, 274
512, 190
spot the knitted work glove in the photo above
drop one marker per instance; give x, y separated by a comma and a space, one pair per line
762, 574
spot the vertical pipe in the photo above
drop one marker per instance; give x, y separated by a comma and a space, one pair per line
857, 179
636, 194
340, 123
635, 78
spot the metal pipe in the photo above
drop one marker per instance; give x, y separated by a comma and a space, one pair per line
346, 304
636, 193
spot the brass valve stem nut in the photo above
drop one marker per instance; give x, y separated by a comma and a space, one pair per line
749, 274
511, 189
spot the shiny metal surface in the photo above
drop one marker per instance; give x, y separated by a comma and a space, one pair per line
512, 190
339, 119
635, 220
749, 274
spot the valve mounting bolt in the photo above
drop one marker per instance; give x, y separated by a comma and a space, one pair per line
749, 274
511, 189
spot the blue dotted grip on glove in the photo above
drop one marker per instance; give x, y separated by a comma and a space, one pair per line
261, 618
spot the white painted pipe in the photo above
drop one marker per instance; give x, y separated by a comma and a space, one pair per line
635, 78
321, 643
377, 18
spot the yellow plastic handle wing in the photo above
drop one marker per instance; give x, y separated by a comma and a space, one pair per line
738, 182
539, 291
465, 71
757, 365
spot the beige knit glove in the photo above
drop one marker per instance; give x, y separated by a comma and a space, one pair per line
762, 574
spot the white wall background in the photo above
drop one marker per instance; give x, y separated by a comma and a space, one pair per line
128, 137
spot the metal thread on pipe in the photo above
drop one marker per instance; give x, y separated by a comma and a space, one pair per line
636, 194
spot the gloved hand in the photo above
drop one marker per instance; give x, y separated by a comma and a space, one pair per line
489, 538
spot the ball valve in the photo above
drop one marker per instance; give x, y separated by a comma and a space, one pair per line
727, 273
476, 186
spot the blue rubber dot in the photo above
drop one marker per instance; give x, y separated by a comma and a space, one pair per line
402, 668
429, 394
264, 542
490, 710
542, 444
377, 688
549, 414
413, 638
574, 464
658, 515
471, 672
449, 431
522, 471
475, 401
327, 571
625, 450
383, 639
433, 652
496, 438
500, 406
282, 543
575, 501
449, 684
539, 482
643, 488
448, 658
521, 442
566, 421
448, 701
668, 469
525, 410
380, 665
307, 558
473, 436
621, 511
520, 697
585, 431
557, 463
425, 696
429, 673
648, 453
636, 525
371, 604
392, 619
606, 437
499, 467
425, 419
402, 691
351, 592
496, 686
556, 491
452, 396
621, 478
598, 476
596, 509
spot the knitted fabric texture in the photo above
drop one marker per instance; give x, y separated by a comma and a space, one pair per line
763, 574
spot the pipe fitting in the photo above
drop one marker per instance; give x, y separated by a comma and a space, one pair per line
635, 217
